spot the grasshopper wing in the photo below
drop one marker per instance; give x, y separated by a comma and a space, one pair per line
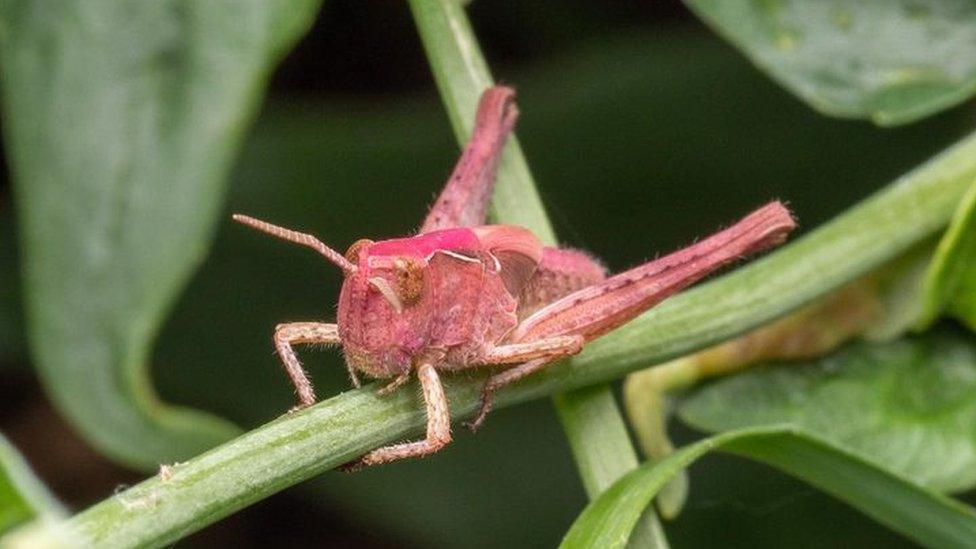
517, 253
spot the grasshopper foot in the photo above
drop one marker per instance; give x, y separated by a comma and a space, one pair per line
479, 420
498, 381
300, 406
352, 466
393, 385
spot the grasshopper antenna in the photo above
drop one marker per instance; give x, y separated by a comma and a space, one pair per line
299, 238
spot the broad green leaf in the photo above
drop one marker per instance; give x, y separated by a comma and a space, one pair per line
122, 119
908, 405
950, 282
929, 518
889, 61
22, 496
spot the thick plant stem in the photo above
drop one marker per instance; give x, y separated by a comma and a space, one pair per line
299, 446
593, 423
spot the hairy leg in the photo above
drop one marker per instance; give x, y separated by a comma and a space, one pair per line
502, 379
394, 385
464, 200
549, 348
438, 425
293, 333
533, 355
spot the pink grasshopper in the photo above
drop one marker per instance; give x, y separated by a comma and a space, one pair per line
461, 294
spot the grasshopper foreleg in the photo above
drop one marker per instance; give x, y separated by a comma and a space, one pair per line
293, 333
438, 425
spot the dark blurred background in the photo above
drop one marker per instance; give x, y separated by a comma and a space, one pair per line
643, 129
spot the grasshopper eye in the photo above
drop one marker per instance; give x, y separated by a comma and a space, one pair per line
352, 254
409, 279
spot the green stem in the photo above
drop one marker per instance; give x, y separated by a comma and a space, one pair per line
602, 449
299, 446
593, 423
462, 75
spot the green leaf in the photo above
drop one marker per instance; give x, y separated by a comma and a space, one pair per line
908, 405
22, 496
929, 518
950, 282
891, 62
122, 120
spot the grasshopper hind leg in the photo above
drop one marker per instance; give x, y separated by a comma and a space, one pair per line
294, 333
464, 200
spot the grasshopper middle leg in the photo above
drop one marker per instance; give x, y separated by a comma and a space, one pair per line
534, 355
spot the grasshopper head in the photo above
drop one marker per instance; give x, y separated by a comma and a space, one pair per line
389, 308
